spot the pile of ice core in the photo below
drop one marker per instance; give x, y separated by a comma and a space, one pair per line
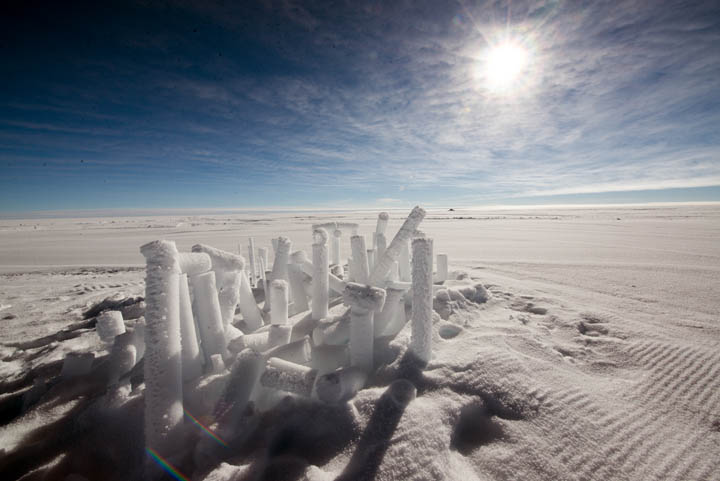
213, 353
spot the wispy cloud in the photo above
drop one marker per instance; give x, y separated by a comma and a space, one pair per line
367, 100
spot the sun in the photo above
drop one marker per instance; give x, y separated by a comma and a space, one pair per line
504, 66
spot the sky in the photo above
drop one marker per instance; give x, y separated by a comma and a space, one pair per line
332, 104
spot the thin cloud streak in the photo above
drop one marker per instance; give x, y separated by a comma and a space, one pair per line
372, 99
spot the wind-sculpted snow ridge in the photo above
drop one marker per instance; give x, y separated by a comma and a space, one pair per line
439, 374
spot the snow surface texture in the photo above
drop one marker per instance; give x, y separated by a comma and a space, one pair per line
567, 344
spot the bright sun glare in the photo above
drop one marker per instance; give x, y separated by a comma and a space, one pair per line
504, 65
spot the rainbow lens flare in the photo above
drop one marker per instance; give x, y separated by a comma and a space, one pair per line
205, 429
165, 464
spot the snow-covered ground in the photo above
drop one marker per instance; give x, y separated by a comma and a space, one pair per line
597, 356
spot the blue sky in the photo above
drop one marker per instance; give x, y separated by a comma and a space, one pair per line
338, 104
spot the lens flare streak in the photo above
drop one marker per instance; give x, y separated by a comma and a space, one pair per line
163, 463
205, 429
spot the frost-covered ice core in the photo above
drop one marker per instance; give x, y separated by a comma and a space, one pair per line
248, 307
382, 222
221, 260
380, 245
207, 313
163, 365
297, 285
192, 361
404, 269
332, 331
279, 301
227, 267
288, 376
442, 267
282, 257
336, 284
390, 311
256, 340
371, 259
382, 266
363, 301
253, 268
110, 324
321, 275
337, 233
360, 264
422, 298
193, 263
278, 335
228, 297
263, 266
244, 375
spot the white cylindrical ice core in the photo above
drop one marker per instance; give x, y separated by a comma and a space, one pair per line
253, 268
282, 257
193, 263
110, 324
321, 275
404, 268
332, 331
335, 246
208, 315
221, 260
382, 222
442, 267
163, 364
382, 265
389, 311
288, 376
297, 288
380, 246
360, 259
278, 335
278, 302
363, 301
422, 298
192, 361
248, 307
122, 357
228, 285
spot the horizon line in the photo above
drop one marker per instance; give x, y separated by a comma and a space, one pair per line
160, 212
